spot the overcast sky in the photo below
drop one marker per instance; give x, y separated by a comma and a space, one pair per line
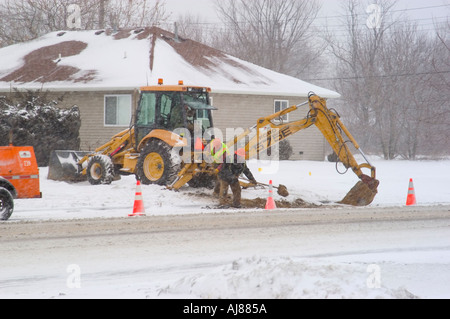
330, 8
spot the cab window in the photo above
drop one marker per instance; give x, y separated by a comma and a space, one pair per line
147, 111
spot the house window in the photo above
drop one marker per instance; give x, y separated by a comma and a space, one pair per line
280, 105
117, 110
203, 114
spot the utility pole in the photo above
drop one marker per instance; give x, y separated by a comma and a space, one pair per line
101, 14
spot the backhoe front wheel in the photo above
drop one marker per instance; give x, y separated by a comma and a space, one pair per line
157, 164
6, 204
100, 170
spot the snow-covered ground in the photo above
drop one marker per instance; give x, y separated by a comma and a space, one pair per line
315, 182
379, 260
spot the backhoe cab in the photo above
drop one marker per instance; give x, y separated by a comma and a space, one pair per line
167, 117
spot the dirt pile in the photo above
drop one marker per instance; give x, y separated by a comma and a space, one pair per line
261, 203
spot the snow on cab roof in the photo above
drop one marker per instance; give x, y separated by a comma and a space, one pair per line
129, 59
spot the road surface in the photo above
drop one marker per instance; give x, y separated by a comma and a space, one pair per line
48, 259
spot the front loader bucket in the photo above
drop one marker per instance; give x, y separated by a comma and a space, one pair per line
363, 193
64, 167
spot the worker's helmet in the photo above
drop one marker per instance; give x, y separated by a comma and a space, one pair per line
241, 152
216, 144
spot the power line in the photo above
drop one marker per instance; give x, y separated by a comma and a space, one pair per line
380, 76
400, 10
343, 25
422, 8
215, 24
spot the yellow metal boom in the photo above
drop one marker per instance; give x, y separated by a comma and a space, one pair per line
269, 134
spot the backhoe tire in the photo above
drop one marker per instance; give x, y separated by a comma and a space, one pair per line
100, 170
157, 165
6, 204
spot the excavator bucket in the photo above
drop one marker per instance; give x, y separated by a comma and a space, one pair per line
283, 191
64, 166
363, 193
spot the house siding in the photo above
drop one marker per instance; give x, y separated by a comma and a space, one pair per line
93, 132
243, 111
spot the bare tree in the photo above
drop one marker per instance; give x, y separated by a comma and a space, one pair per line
408, 59
23, 20
193, 27
439, 142
136, 13
385, 74
271, 33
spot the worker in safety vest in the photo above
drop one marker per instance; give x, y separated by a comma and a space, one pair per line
228, 176
219, 152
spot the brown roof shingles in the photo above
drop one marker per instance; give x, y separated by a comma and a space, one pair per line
41, 65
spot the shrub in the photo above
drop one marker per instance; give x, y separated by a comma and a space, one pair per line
35, 120
286, 150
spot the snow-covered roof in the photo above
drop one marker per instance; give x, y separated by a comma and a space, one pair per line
127, 59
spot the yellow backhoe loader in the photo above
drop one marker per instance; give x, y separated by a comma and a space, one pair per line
169, 143
146, 148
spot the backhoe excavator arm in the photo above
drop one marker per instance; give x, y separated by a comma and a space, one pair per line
266, 134
332, 128
334, 131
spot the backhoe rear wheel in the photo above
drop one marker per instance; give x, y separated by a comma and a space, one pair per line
6, 204
157, 165
100, 170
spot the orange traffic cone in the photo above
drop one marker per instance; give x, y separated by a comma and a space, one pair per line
411, 199
270, 204
138, 209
